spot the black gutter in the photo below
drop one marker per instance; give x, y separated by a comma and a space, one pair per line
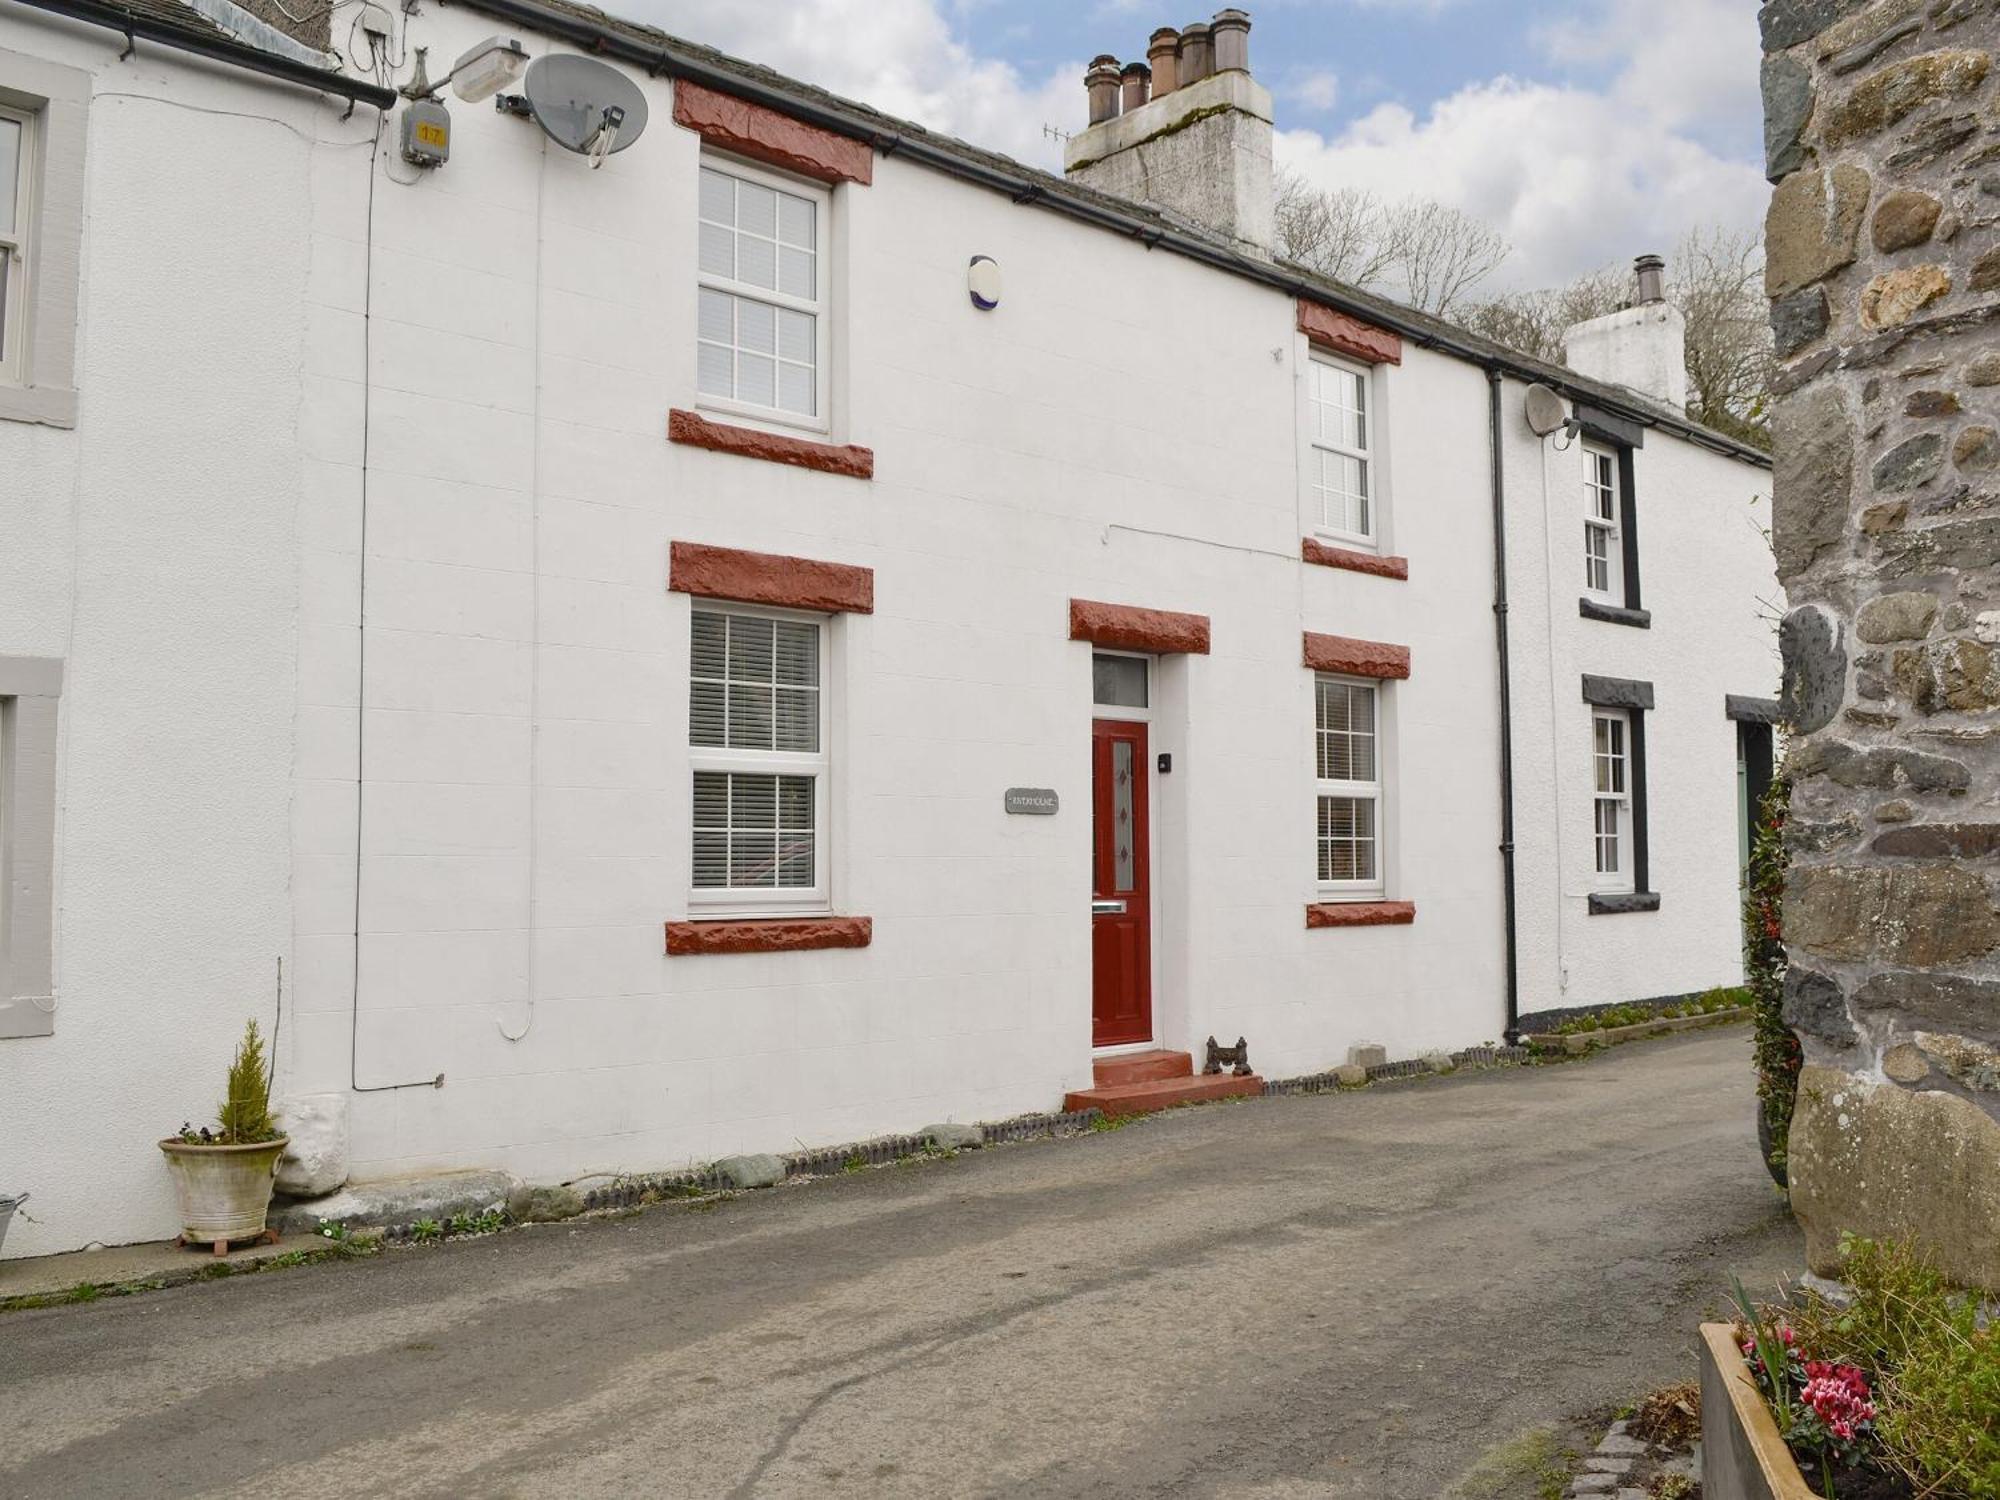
678, 62
1513, 1028
219, 47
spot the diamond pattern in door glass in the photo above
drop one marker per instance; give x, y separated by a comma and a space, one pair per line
1124, 834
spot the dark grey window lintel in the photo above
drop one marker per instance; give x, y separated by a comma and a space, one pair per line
1617, 692
1750, 710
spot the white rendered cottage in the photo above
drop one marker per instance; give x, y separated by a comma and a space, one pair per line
777, 626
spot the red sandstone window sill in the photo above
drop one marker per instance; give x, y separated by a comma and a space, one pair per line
1361, 913
768, 935
698, 431
1315, 551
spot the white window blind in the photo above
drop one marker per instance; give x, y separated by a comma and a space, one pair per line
757, 738
762, 323
1339, 457
1603, 570
1347, 746
1611, 759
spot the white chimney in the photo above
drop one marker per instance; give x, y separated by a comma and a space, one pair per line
1194, 138
1643, 346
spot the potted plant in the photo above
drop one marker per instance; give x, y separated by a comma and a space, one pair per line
224, 1176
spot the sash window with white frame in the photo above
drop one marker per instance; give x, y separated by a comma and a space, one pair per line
757, 740
1611, 765
1603, 558
1347, 743
17, 176
762, 325
1340, 457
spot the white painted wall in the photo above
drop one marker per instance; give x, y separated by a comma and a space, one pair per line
1706, 576
153, 548
1123, 428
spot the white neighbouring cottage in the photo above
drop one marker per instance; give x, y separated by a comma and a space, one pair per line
817, 538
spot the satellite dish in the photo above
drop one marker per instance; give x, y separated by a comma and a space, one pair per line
584, 105
1544, 408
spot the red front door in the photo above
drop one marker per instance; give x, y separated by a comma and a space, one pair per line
1121, 907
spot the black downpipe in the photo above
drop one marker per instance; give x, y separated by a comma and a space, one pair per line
1513, 1031
218, 48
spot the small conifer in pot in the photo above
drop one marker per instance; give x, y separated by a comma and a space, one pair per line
224, 1176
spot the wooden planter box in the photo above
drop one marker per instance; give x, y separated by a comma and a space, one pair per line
1742, 1456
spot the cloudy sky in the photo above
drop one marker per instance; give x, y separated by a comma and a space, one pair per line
1586, 131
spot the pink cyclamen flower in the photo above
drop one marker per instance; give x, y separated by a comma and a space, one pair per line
1839, 1397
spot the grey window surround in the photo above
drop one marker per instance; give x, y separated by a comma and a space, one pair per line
1625, 438
30, 692
59, 97
1636, 698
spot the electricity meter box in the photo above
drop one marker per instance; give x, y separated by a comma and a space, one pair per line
426, 133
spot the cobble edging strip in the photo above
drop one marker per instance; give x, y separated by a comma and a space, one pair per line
1471, 1059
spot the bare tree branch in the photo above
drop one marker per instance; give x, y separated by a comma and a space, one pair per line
1414, 250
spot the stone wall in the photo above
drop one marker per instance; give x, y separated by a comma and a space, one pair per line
1884, 274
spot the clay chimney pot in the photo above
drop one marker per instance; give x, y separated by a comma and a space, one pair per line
1160, 52
1102, 83
1229, 35
1135, 81
1196, 62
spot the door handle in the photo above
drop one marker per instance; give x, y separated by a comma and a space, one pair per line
1107, 908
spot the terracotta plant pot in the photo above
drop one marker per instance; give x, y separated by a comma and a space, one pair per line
1742, 1456
225, 1191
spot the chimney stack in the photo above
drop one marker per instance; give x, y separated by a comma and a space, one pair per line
1162, 52
1643, 347
1190, 134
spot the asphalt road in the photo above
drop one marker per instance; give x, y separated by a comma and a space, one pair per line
1354, 1295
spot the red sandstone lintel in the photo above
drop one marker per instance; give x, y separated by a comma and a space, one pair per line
750, 442
1125, 627
1348, 335
773, 935
1361, 913
1315, 551
1355, 658
752, 130
767, 578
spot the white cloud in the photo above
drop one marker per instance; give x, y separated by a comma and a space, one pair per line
1585, 173
1316, 89
1619, 157
898, 55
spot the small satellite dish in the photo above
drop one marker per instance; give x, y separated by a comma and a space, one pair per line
584, 105
1544, 410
